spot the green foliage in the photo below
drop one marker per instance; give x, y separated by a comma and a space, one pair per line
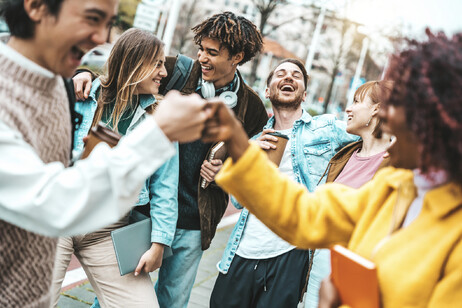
127, 10
312, 112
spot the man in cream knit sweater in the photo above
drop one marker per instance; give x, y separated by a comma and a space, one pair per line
39, 197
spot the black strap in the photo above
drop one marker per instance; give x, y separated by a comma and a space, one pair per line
76, 118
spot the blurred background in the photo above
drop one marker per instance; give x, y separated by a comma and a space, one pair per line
343, 43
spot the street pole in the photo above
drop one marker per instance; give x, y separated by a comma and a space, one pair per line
359, 68
385, 68
171, 25
315, 39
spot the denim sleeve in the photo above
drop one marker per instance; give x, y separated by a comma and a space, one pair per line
163, 193
236, 204
341, 136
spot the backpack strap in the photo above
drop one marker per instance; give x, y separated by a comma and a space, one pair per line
180, 75
76, 118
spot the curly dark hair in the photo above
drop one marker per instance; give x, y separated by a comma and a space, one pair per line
235, 33
428, 84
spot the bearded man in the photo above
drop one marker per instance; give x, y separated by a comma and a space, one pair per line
258, 268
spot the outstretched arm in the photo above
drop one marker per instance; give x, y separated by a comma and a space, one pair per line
53, 200
258, 185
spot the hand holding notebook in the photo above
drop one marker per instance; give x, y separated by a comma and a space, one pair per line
217, 152
355, 278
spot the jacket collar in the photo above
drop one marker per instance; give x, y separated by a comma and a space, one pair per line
444, 199
440, 201
95, 88
346, 152
242, 98
146, 100
305, 118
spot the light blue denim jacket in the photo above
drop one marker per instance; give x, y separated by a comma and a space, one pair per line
160, 189
314, 140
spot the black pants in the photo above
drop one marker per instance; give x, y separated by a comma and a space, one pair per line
274, 282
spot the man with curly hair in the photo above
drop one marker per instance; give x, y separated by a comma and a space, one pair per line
225, 41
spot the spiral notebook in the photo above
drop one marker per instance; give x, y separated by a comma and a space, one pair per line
217, 152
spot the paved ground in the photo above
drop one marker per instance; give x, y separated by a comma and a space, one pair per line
81, 296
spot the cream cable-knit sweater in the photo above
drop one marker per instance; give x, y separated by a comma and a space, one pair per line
36, 106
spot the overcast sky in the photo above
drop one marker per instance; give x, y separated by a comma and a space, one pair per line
415, 15
412, 15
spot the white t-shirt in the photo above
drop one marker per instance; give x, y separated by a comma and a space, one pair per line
259, 242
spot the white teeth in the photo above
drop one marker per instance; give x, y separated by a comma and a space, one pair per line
206, 67
287, 88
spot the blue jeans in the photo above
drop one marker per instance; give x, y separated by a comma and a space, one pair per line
178, 272
319, 271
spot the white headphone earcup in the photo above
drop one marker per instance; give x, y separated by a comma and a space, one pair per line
230, 98
207, 89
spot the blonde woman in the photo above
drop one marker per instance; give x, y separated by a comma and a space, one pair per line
121, 99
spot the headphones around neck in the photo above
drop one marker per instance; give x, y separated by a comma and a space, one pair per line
229, 97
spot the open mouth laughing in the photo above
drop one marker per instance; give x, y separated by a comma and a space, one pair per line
206, 68
77, 53
287, 88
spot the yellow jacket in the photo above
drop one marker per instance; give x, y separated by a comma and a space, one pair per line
418, 266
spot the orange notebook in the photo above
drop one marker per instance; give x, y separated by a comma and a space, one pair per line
355, 278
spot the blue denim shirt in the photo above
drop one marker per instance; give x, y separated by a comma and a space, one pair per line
160, 189
314, 141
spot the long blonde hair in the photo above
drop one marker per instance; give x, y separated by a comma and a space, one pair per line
133, 58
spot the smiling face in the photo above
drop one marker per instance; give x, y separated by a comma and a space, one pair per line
286, 89
151, 84
217, 65
361, 116
61, 41
404, 151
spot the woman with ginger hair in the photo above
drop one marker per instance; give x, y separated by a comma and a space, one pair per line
355, 164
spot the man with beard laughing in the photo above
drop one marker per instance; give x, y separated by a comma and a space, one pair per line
259, 269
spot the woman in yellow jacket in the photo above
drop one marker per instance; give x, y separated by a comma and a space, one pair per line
408, 219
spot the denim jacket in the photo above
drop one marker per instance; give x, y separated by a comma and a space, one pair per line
160, 189
314, 141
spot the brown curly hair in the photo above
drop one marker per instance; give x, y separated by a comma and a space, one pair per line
428, 84
235, 33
